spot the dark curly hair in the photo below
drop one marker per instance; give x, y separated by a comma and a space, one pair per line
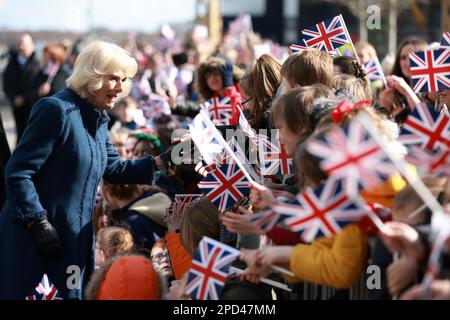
351, 66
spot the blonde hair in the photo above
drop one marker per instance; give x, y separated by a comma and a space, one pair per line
358, 88
367, 48
119, 135
98, 59
115, 240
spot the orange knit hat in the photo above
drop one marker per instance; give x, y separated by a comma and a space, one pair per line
130, 278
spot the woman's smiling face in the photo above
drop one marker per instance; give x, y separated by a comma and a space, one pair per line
107, 95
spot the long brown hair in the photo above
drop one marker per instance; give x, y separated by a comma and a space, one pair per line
200, 219
307, 67
418, 43
261, 82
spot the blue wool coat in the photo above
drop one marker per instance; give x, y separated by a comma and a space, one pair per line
55, 171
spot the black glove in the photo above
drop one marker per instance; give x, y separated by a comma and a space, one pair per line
46, 236
226, 70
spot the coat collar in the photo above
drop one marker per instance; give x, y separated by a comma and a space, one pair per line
92, 118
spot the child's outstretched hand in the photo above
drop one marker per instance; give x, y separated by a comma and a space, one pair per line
255, 270
177, 290
261, 197
173, 219
439, 290
401, 273
240, 223
398, 236
399, 84
226, 71
275, 256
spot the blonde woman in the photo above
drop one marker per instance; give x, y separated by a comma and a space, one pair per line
53, 174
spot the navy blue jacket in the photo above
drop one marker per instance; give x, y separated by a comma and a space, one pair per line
144, 230
54, 172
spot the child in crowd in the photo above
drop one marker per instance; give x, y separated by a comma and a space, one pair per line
126, 277
143, 216
259, 87
307, 67
112, 241
161, 260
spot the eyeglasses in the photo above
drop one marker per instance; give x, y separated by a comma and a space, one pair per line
246, 101
160, 256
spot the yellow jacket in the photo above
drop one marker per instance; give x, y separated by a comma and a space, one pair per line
336, 261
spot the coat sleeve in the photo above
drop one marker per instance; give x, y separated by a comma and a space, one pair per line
33, 150
336, 262
180, 259
282, 237
120, 171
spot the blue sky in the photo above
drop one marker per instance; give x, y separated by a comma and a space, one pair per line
72, 15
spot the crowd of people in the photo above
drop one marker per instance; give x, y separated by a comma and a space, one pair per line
91, 182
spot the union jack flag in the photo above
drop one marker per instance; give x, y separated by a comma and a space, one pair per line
445, 42
322, 212
45, 291
155, 107
182, 201
247, 128
273, 158
266, 220
430, 70
426, 127
437, 162
221, 111
301, 45
204, 135
210, 268
327, 35
240, 154
225, 186
352, 155
373, 70
240, 25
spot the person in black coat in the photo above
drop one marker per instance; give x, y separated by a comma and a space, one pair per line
18, 81
4, 157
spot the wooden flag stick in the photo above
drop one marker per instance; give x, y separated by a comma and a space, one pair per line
264, 280
348, 36
417, 211
284, 271
395, 257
